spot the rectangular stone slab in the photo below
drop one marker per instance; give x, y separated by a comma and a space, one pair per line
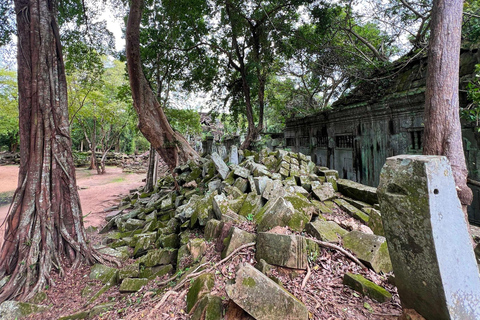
262, 298
430, 248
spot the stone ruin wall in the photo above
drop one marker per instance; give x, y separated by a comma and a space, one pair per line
380, 120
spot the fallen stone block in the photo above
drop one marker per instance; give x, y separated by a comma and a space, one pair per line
366, 287
212, 229
208, 308
220, 165
280, 212
262, 298
357, 191
353, 211
158, 257
433, 260
129, 271
152, 272
132, 284
104, 273
236, 238
261, 184
323, 192
369, 248
252, 205
328, 231
273, 189
197, 248
282, 250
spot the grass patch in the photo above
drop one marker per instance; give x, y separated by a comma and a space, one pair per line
117, 180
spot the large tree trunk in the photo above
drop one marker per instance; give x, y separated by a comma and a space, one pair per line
153, 123
44, 228
443, 134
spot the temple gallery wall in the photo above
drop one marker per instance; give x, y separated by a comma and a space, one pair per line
381, 119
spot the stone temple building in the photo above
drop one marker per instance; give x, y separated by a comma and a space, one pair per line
380, 119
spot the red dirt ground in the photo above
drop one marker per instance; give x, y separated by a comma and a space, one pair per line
97, 192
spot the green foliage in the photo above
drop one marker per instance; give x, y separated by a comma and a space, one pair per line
184, 121
8, 110
471, 113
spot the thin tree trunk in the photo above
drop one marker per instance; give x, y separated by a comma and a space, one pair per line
152, 170
44, 227
443, 134
93, 147
153, 123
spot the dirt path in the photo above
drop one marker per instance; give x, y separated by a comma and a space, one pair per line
97, 192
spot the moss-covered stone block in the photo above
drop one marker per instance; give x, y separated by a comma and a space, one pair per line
352, 210
252, 205
158, 257
200, 288
153, 272
366, 287
168, 241
129, 271
369, 248
236, 238
282, 250
375, 221
323, 230
212, 229
357, 191
208, 308
104, 273
197, 248
132, 284
262, 298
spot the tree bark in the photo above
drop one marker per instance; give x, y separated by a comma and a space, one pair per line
153, 123
152, 170
443, 134
44, 227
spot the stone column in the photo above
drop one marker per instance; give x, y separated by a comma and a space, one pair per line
432, 256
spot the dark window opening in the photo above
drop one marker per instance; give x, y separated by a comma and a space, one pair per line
416, 137
322, 138
391, 127
344, 141
304, 141
290, 142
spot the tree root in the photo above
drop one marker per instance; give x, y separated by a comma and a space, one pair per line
340, 249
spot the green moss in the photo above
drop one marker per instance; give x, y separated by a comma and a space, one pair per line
366, 287
200, 287
249, 282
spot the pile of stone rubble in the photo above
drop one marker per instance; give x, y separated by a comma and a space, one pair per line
266, 189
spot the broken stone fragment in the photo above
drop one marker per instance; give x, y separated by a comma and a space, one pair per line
214, 185
353, 211
200, 288
132, 284
280, 212
370, 249
133, 224
220, 165
282, 250
262, 298
323, 192
357, 191
233, 192
236, 238
325, 230
366, 287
